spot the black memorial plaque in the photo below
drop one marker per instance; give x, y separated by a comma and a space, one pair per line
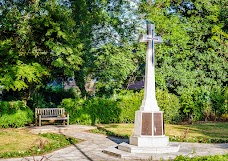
147, 124
158, 122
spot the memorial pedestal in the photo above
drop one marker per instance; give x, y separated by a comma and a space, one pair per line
149, 135
149, 130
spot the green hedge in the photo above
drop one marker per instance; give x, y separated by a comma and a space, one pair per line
203, 158
76, 110
103, 110
119, 110
14, 114
169, 103
203, 104
129, 102
92, 111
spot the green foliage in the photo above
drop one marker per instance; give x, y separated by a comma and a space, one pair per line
109, 38
194, 104
187, 104
14, 114
41, 41
51, 97
193, 52
219, 101
37, 44
14, 154
92, 111
197, 139
44, 40
120, 109
202, 158
78, 113
102, 110
129, 102
37, 101
113, 64
169, 103
202, 103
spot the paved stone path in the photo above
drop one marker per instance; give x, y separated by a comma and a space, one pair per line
91, 148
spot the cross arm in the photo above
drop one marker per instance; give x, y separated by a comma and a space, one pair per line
157, 39
146, 38
143, 38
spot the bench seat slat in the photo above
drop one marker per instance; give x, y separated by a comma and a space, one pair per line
54, 118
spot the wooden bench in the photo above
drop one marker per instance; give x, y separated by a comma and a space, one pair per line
51, 114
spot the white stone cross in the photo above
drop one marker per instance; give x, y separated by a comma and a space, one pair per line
149, 102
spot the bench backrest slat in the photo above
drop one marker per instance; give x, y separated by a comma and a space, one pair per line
49, 111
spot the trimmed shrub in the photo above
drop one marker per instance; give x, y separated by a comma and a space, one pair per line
119, 110
169, 103
14, 114
129, 102
103, 110
78, 113
93, 111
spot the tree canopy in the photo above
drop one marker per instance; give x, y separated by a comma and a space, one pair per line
192, 61
37, 43
194, 52
41, 41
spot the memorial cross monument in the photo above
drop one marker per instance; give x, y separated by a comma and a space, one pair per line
149, 123
149, 136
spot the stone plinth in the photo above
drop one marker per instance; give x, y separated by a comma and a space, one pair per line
171, 148
149, 141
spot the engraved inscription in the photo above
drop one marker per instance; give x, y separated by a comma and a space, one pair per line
146, 123
158, 122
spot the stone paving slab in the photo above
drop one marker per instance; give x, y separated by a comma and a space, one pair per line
91, 148
186, 149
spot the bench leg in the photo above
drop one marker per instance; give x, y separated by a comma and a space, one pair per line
68, 119
35, 121
39, 120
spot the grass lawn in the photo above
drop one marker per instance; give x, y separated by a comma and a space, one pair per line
209, 130
18, 139
206, 130
20, 143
